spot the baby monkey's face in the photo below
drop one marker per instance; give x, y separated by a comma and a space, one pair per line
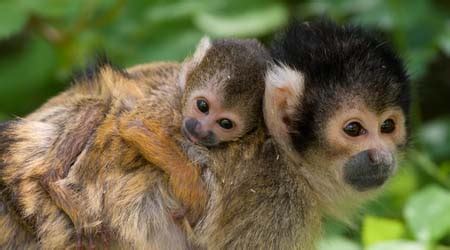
223, 85
206, 121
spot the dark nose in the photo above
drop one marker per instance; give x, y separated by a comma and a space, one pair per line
374, 156
368, 169
379, 157
375, 159
193, 126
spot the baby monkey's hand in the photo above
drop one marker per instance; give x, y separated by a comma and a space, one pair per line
157, 146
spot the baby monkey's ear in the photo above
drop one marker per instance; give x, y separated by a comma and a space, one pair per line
190, 63
282, 99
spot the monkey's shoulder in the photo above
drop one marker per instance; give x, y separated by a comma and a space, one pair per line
24, 147
155, 75
155, 70
7, 139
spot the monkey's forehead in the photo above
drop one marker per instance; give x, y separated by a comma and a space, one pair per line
241, 48
344, 61
238, 73
323, 50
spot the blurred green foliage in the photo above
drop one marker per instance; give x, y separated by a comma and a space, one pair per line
43, 41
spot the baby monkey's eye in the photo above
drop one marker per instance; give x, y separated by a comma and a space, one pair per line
226, 123
202, 105
388, 126
354, 129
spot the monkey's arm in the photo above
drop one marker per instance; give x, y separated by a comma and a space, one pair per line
151, 139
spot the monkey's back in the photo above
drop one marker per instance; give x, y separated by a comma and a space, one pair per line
67, 134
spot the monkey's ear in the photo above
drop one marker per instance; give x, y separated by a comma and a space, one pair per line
283, 95
189, 64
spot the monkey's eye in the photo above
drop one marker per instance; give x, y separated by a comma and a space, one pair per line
388, 126
225, 123
354, 129
202, 105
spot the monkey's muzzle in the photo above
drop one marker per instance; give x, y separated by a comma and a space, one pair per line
369, 169
192, 129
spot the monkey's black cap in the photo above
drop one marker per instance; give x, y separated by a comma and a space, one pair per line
341, 62
330, 55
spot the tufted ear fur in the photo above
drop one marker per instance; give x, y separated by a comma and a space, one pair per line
283, 95
189, 64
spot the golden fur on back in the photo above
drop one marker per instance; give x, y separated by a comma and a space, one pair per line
76, 134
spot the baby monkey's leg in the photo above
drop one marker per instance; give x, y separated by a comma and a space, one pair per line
154, 143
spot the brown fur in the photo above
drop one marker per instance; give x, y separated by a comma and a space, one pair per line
271, 193
285, 193
265, 192
279, 211
90, 165
118, 193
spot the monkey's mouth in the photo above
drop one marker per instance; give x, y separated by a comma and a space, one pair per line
367, 182
363, 173
210, 141
189, 136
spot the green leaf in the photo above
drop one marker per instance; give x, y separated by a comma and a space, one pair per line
435, 136
54, 8
12, 18
376, 229
418, 58
337, 243
444, 39
171, 47
246, 24
444, 171
24, 73
168, 41
333, 226
426, 164
174, 10
404, 183
3, 117
427, 214
398, 245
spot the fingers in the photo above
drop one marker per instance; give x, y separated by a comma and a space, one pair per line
178, 214
105, 237
79, 241
91, 242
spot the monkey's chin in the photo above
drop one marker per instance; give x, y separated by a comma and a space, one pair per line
367, 182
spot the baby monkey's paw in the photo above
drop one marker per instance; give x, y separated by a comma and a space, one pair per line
151, 139
154, 143
159, 148
190, 190
179, 216
88, 239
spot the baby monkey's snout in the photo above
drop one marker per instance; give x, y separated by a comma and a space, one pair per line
193, 127
194, 131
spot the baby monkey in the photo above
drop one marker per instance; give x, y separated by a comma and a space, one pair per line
222, 87
85, 147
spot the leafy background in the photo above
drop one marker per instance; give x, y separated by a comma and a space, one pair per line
43, 41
